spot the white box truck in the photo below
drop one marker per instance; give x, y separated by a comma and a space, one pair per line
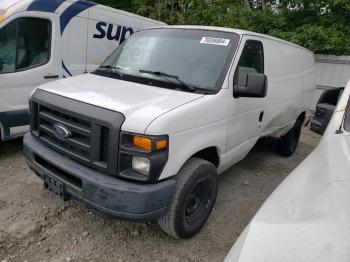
44, 40
145, 135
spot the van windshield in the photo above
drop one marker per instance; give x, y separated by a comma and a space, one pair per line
196, 58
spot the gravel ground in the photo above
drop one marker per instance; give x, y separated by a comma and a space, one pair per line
38, 226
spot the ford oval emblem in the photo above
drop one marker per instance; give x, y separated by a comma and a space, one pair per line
61, 131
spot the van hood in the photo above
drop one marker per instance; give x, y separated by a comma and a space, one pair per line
140, 104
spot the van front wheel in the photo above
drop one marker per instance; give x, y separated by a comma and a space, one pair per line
289, 142
193, 199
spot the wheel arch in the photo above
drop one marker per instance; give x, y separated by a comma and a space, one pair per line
302, 117
210, 154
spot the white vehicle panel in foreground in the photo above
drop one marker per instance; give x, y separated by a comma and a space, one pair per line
307, 218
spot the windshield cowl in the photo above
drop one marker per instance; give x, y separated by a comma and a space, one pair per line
157, 82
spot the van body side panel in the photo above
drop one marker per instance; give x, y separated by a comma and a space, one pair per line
290, 72
74, 44
191, 128
74, 10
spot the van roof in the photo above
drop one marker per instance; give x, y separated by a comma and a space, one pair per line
233, 30
10, 7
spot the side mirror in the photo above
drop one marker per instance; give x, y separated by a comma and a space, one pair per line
324, 110
322, 118
256, 86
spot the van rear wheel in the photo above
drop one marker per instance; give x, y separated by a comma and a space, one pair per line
289, 142
193, 199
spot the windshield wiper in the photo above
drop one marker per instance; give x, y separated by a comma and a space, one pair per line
165, 75
115, 69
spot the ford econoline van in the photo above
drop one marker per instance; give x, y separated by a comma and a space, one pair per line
145, 135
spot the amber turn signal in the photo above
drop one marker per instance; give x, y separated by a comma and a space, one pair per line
144, 143
161, 144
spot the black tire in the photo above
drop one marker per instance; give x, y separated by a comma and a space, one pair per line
193, 199
289, 142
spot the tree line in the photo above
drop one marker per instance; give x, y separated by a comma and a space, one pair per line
322, 26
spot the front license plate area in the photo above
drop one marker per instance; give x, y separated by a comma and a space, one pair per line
55, 186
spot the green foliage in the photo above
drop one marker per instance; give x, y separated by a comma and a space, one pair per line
322, 26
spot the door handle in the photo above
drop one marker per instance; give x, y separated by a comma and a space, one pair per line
51, 76
261, 116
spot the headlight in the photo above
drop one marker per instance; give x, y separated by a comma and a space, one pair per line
142, 157
141, 165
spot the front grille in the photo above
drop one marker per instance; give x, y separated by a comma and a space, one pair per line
104, 153
81, 144
94, 131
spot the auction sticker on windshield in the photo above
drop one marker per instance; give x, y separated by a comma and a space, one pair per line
215, 41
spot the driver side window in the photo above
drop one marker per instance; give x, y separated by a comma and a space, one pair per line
251, 61
24, 44
8, 48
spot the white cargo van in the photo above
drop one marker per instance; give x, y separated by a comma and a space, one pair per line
44, 40
145, 135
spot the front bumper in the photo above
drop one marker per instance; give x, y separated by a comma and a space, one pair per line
105, 195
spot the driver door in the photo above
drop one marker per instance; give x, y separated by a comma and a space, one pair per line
246, 114
27, 60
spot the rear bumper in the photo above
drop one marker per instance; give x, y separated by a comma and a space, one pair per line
105, 195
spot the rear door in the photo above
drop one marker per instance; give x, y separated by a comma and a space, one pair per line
28, 59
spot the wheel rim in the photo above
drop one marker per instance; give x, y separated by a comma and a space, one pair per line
198, 201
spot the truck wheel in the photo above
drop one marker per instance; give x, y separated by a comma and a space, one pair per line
193, 199
289, 142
